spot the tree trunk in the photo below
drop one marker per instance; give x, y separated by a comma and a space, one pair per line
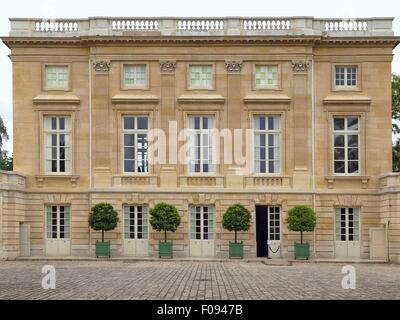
165, 235
102, 235
235, 236
301, 237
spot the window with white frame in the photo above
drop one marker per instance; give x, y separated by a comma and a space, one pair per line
266, 76
135, 75
346, 145
58, 222
57, 137
346, 76
202, 220
201, 144
135, 139
267, 139
347, 224
274, 223
57, 77
136, 222
200, 76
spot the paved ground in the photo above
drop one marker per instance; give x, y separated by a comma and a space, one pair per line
196, 280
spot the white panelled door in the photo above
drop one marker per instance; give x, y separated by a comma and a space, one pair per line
58, 230
136, 234
202, 233
274, 232
347, 244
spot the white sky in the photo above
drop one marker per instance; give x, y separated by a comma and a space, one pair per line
84, 9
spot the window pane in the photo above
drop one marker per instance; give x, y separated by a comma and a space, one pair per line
338, 123
352, 124
142, 123
339, 141
353, 167
352, 141
339, 167
129, 122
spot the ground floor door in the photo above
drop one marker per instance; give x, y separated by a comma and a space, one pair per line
268, 231
136, 233
202, 231
58, 230
347, 244
24, 240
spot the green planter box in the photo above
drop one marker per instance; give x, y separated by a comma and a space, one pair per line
165, 249
236, 250
103, 249
302, 251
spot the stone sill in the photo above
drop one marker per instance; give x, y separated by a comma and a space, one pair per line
267, 98
134, 98
201, 181
331, 180
56, 99
40, 179
198, 98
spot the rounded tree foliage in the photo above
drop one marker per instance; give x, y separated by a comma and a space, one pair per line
236, 218
165, 217
301, 219
103, 217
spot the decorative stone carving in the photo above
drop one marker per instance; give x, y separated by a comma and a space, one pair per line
102, 66
233, 66
168, 66
300, 66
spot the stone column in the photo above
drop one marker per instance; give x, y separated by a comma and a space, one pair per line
101, 118
167, 113
234, 117
302, 173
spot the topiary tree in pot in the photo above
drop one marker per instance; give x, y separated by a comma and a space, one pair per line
103, 217
165, 217
236, 218
301, 219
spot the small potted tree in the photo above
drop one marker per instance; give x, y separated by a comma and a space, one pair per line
165, 217
301, 219
236, 218
103, 217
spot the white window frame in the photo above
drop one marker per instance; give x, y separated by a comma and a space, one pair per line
67, 210
67, 133
49, 87
346, 77
127, 224
206, 86
211, 149
266, 86
135, 132
346, 133
272, 235
135, 85
211, 210
338, 228
267, 132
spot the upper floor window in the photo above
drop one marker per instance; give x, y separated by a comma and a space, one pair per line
135, 76
57, 144
266, 76
346, 145
200, 77
267, 138
57, 77
135, 138
346, 77
201, 144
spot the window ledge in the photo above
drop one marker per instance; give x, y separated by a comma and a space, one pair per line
198, 98
206, 180
262, 181
40, 179
130, 180
134, 98
267, 98
363, 179
57, 99
347, 99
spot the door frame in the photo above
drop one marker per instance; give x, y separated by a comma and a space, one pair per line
123, 229
359, 229
202, 221
58, 231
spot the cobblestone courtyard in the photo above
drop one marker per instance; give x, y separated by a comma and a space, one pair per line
196, 280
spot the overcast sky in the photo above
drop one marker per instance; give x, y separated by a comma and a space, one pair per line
84, 9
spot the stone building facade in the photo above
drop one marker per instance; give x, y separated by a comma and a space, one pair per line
313, 94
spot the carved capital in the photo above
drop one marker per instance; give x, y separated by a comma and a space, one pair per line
300, 66
233, 66
167, 66
102, 66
